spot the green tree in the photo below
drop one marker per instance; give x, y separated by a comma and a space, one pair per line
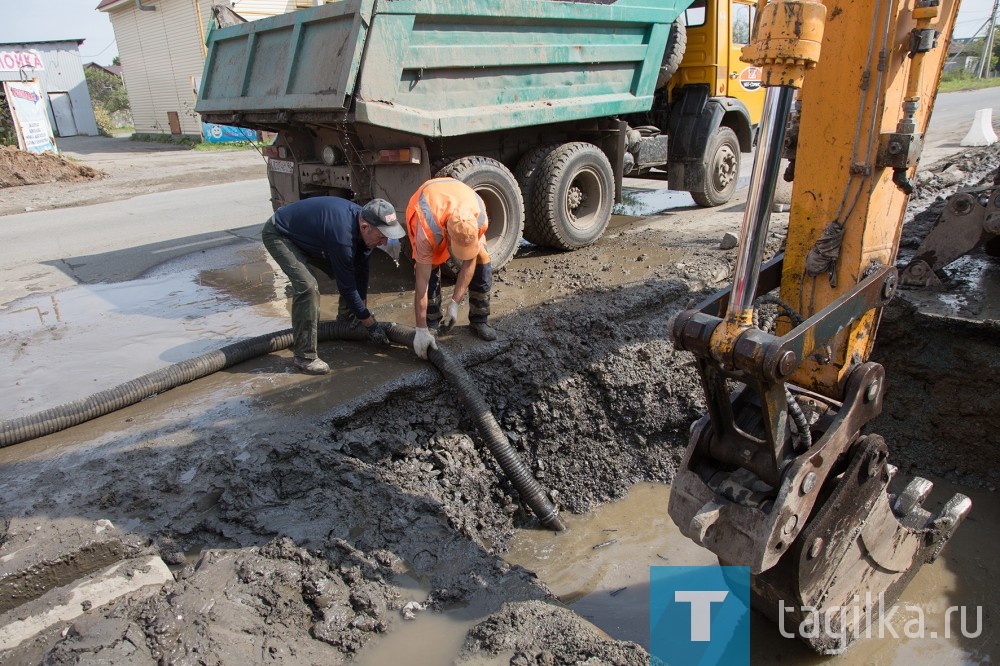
995, 56
106, 90
107, 94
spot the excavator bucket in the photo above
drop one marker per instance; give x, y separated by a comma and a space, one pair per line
857, 553
833, 540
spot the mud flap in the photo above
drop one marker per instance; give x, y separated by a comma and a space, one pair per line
694, 120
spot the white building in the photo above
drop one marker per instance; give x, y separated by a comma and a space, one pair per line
57, 66
161, 44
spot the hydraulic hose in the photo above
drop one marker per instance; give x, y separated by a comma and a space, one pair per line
59, 418
530, 490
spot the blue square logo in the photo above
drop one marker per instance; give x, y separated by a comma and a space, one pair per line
699, 616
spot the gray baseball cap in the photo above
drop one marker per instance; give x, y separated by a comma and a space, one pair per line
382, 215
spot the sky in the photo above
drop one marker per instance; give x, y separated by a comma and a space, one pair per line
972, 16
29, 20
44, 20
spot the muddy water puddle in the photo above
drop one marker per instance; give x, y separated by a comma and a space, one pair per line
600, 569
75, 342
72, 343
430, 639
638, 202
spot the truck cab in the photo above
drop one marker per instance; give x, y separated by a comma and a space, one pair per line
715, 100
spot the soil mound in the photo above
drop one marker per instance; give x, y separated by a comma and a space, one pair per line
19, 167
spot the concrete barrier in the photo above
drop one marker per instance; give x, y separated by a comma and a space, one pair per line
981, 133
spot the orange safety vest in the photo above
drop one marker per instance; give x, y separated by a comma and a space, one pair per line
431, 206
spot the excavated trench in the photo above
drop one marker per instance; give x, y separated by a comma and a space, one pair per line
303, 545
396, 502
293, 540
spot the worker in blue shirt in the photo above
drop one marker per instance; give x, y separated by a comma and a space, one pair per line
339, 233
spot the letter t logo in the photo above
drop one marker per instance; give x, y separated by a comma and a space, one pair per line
701, 611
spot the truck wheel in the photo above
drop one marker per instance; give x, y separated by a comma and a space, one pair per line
722, 169
496, 185
526, 173
573, 196
673, 53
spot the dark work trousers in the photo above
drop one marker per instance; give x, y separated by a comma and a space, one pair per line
479, 293
305, 289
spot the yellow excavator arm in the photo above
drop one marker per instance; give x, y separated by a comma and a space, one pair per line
778, 476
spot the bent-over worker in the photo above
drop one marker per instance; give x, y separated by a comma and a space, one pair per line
445, 217
336, 236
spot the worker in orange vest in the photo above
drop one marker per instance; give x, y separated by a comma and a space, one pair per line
445, 217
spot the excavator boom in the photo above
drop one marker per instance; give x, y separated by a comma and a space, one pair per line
780, 475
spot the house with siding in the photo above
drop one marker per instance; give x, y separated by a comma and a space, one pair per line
57, 66
161, 44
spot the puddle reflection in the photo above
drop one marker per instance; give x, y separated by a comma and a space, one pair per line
75, 342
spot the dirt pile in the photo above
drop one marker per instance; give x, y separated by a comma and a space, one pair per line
939, 414
19, 167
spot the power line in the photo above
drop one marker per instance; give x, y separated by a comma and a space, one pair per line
101, 51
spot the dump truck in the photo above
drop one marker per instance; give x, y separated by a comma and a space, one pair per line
541, 106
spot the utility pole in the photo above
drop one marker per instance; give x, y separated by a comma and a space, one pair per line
987, 57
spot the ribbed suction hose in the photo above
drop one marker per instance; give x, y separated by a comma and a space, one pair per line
59, 418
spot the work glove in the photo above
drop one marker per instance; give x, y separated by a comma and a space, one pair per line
377, 333
450, 317
422, 341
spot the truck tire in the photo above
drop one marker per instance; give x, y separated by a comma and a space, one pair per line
497, 187
722, 169
573, 195
673, 53
526, 173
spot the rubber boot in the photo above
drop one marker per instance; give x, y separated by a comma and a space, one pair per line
434, 300
479, 302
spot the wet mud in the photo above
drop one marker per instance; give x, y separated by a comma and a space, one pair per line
357, 517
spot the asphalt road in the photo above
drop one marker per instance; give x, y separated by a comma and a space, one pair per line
121, 240
952, 118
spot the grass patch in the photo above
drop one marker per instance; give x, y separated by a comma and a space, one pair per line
166, 138
196, 143
956, 84
231, 145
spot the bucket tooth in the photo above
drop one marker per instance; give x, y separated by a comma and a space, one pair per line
913, 495
948, 520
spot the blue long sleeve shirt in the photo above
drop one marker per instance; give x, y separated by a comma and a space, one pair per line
327, 228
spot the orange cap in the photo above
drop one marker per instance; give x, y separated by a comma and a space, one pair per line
463, 234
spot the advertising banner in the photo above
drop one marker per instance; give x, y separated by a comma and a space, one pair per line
30, 114
224, 133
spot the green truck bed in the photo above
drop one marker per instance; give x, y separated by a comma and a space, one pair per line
439, 68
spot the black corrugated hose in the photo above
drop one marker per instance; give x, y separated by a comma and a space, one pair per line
59, 418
